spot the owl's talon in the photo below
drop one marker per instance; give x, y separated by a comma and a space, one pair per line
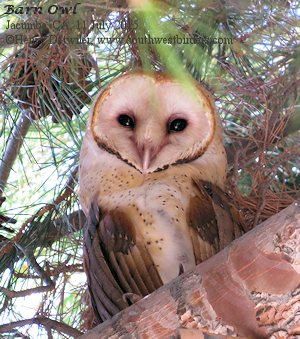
181, 270
132, 298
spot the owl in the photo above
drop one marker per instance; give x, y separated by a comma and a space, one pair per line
151, 180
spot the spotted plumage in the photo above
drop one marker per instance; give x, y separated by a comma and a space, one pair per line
152, 171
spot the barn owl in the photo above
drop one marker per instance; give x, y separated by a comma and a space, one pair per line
152, 171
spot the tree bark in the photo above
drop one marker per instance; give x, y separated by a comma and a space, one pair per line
14, 145
250, 289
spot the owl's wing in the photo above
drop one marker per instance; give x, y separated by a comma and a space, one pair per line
214, 222
120, 263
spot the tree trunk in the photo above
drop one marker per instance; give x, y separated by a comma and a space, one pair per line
251, 289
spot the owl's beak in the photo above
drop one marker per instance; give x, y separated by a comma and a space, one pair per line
146, 158
146, 154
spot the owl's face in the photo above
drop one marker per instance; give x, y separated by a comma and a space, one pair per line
153, 121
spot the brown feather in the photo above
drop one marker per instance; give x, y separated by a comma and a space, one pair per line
219, 219
124, 266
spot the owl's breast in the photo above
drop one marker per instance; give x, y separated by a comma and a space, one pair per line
165, 227
157, 207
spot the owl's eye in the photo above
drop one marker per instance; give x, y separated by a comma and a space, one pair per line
177, 125
126, 120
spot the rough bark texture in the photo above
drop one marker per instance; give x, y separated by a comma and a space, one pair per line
13, 147
250, 289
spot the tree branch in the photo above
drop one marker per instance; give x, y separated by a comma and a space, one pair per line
251, 288
293, 124
17, 239
191, 333
249, 147
14, 145
19, 294
34, 264
46, 322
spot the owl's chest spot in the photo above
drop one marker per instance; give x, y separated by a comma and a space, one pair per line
117, 188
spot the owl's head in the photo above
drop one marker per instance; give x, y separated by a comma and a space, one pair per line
152, 121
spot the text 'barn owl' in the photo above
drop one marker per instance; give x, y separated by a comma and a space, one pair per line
152, 170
